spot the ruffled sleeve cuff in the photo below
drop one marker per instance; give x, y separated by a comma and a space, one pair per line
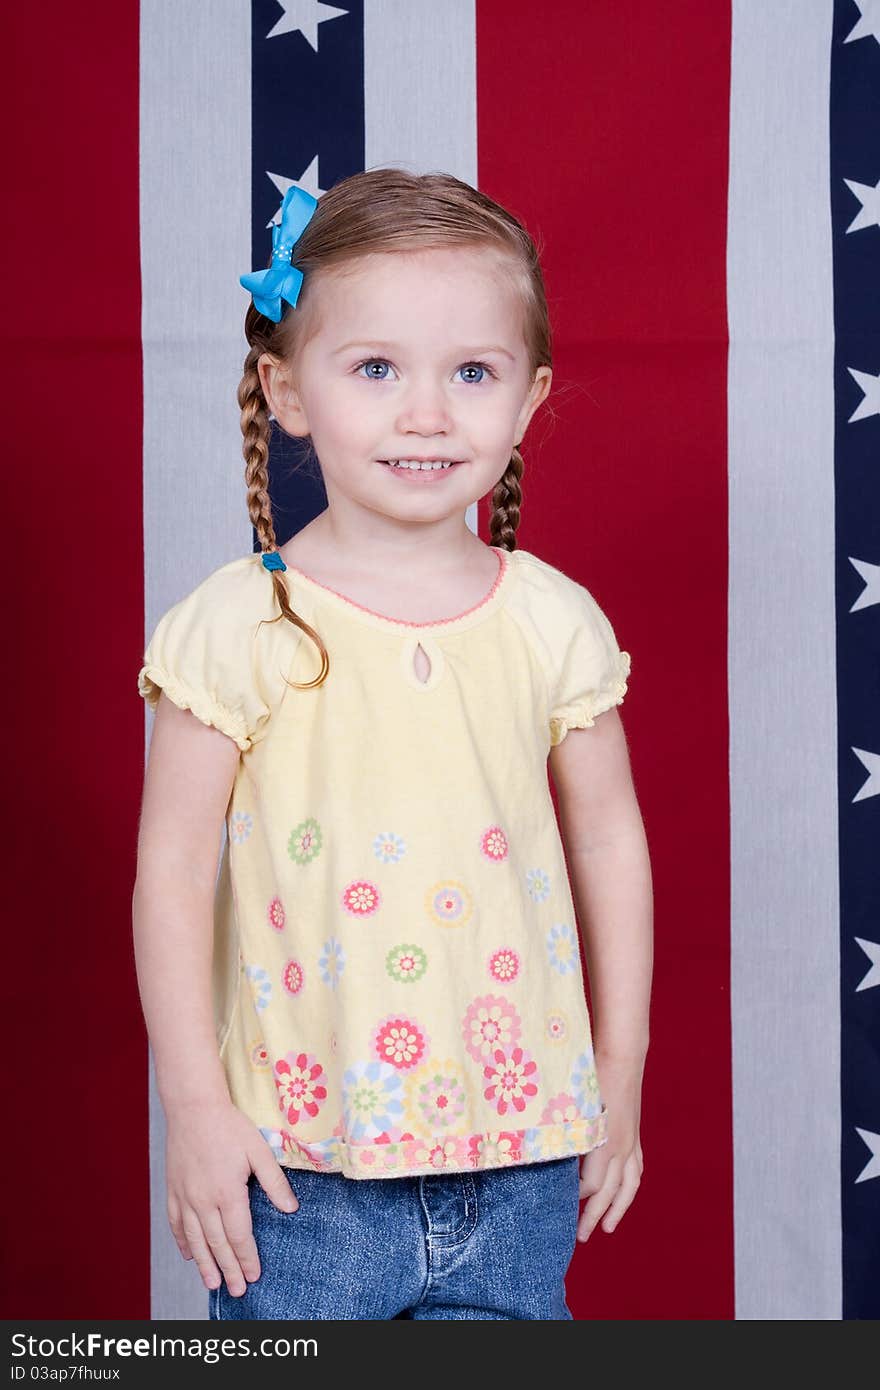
153, 679
582, 712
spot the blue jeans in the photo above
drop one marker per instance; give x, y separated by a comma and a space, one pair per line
493, 1243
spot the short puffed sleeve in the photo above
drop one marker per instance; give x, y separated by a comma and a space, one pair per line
593, 672
584, 670
210, 654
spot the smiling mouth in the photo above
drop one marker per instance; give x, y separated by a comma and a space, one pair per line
426, 466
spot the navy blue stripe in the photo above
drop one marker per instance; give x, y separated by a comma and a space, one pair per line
855, 155
304, 104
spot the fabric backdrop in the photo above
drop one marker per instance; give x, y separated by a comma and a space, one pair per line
703, 178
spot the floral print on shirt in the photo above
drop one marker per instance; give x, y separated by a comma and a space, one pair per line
401, 1042
300, 1086
406, 963
490, 1022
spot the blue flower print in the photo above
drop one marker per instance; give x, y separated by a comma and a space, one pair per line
585, 1084
388, 847
562, 948
531, 1145
372, 1099
538, 884
273, 1139
241, 823
261, 985
331, 962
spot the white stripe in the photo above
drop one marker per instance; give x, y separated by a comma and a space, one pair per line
195, 191
783, 724
420, 92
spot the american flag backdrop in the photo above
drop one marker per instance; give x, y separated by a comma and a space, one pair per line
703, 177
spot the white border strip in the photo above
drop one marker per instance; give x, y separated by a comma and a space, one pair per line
420, 92
195, 197
783, 713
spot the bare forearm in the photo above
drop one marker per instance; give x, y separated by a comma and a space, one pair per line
172, 922
612, 888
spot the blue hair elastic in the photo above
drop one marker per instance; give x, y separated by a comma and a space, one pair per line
282, 280
272, 560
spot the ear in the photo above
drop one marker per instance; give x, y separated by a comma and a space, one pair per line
538, 392
281, 395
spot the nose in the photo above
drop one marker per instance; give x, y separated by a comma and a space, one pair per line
424, 408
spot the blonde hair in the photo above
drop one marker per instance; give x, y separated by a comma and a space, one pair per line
383, 210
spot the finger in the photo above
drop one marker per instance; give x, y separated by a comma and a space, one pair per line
240, 1232
195, 1238
589, 1217
623, 1198
276, 1185
218, 1240
176, 1224
612, 1210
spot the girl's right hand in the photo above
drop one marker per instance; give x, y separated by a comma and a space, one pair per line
211, 1150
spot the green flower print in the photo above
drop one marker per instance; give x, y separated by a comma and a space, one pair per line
406, 963
305, 841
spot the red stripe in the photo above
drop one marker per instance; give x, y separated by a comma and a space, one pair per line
76, 1136
605, 127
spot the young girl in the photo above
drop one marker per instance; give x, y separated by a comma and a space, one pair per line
371, 1037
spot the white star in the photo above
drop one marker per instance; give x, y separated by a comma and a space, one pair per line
871, 387
308, 181
870, 200
872, 786
872, 1167
869, 22
871, 592
872, 951
303, 15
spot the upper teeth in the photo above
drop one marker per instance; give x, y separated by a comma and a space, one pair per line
414, 463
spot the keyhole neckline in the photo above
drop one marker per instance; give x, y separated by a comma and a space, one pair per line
369, 615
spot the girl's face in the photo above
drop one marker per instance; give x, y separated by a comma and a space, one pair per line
417, 355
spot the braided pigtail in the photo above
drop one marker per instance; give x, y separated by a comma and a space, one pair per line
506, 503
255, 429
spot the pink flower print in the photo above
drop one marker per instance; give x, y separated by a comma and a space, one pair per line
400, 1042
292, 977
305, 841
556, 1026
493, 844
316, 1155
276, 914
259, 1055
299, 1086
361, 898
493, 1150
511, 1079
489, 1023
389, 847
438, 1096
449, 903
561, 1110
439, 1154
504, 965
241, 823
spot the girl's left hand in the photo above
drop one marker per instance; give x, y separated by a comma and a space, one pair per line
610, 1174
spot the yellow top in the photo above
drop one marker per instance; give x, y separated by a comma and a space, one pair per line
397, 973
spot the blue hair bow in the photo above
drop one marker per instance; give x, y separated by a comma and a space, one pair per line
282, 280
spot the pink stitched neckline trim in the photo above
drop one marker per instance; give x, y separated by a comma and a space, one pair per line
503, 565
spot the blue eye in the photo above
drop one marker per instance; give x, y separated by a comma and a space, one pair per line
370, 362
466, 367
